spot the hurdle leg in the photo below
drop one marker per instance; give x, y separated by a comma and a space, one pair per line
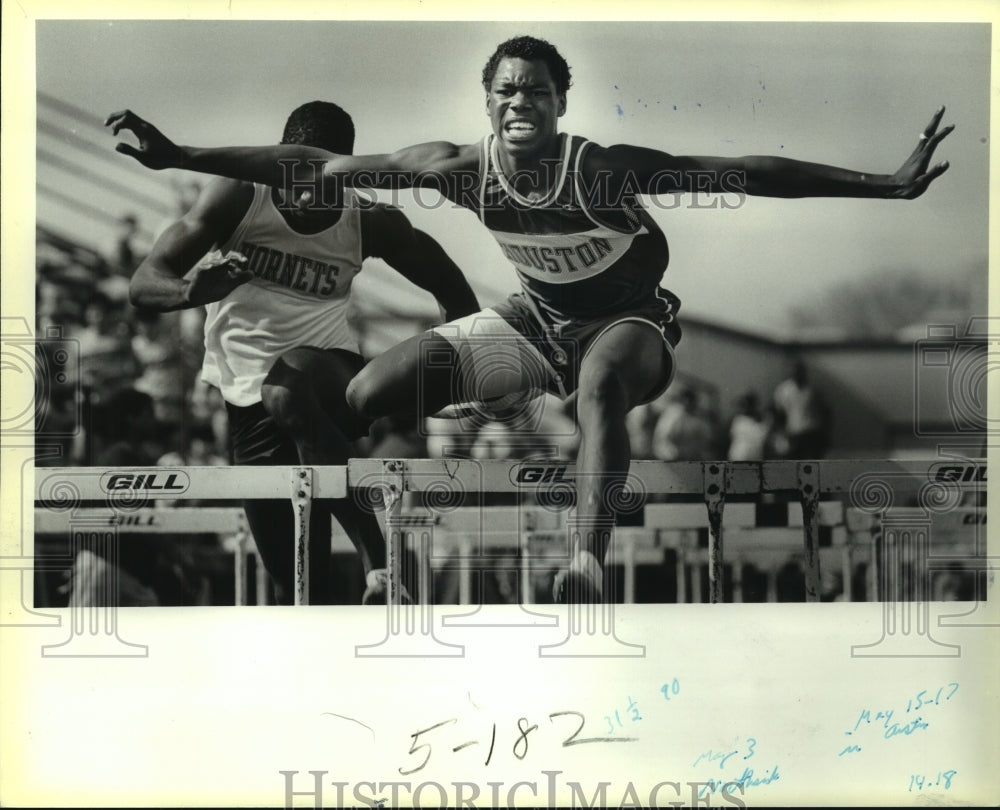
772, 584
527, 597
394, 547
240, 562
425, 579
715, 500
465, 573
874, 568
302, 505
848, 572
261, 581
808, 475
681, 570
629, 563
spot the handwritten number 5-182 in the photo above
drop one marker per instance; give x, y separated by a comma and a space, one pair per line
414, 747
522, 740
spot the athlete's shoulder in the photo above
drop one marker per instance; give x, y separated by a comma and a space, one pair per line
223, 196
597, 157
219, 208
382, 226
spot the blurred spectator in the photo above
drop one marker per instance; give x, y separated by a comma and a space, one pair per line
201, 452
126, 419
806, 415
515, 426
126, 256
85, 296
125, 430
532, 426
450, 438
208, 407
47, 305
776, 445
105, 345
748, 431
158, 353
683, 434
185, 193
719, 443
494, 440
641, 421
953, 584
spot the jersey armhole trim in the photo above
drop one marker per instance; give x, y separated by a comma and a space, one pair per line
259, 197
585, 203
484, 171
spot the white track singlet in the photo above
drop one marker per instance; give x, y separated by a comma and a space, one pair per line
298, 297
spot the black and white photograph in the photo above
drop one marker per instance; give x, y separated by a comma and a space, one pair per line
403, 410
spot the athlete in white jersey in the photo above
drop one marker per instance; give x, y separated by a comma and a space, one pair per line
298, 296
277, 343
622, 355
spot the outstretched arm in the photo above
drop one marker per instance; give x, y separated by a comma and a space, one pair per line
177, 274
292, 166
388, 234
648, 171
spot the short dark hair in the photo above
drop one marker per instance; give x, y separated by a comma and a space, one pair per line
321, 124
530, 48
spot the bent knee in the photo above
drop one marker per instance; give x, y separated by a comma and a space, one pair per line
361, 395
283, 404
285, 391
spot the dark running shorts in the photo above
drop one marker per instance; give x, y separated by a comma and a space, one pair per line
517, 337
256, 439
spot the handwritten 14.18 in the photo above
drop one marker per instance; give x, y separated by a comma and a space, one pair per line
943, 779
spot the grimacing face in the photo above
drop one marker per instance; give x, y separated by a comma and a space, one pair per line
524, 107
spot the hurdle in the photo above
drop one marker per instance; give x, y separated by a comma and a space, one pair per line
750, 543
127, 491
709, 483
536, 533
959, 537
223, 521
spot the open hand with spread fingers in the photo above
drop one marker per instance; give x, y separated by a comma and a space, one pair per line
914, 176
155, 150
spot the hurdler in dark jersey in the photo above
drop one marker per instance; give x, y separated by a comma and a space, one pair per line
592, 279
